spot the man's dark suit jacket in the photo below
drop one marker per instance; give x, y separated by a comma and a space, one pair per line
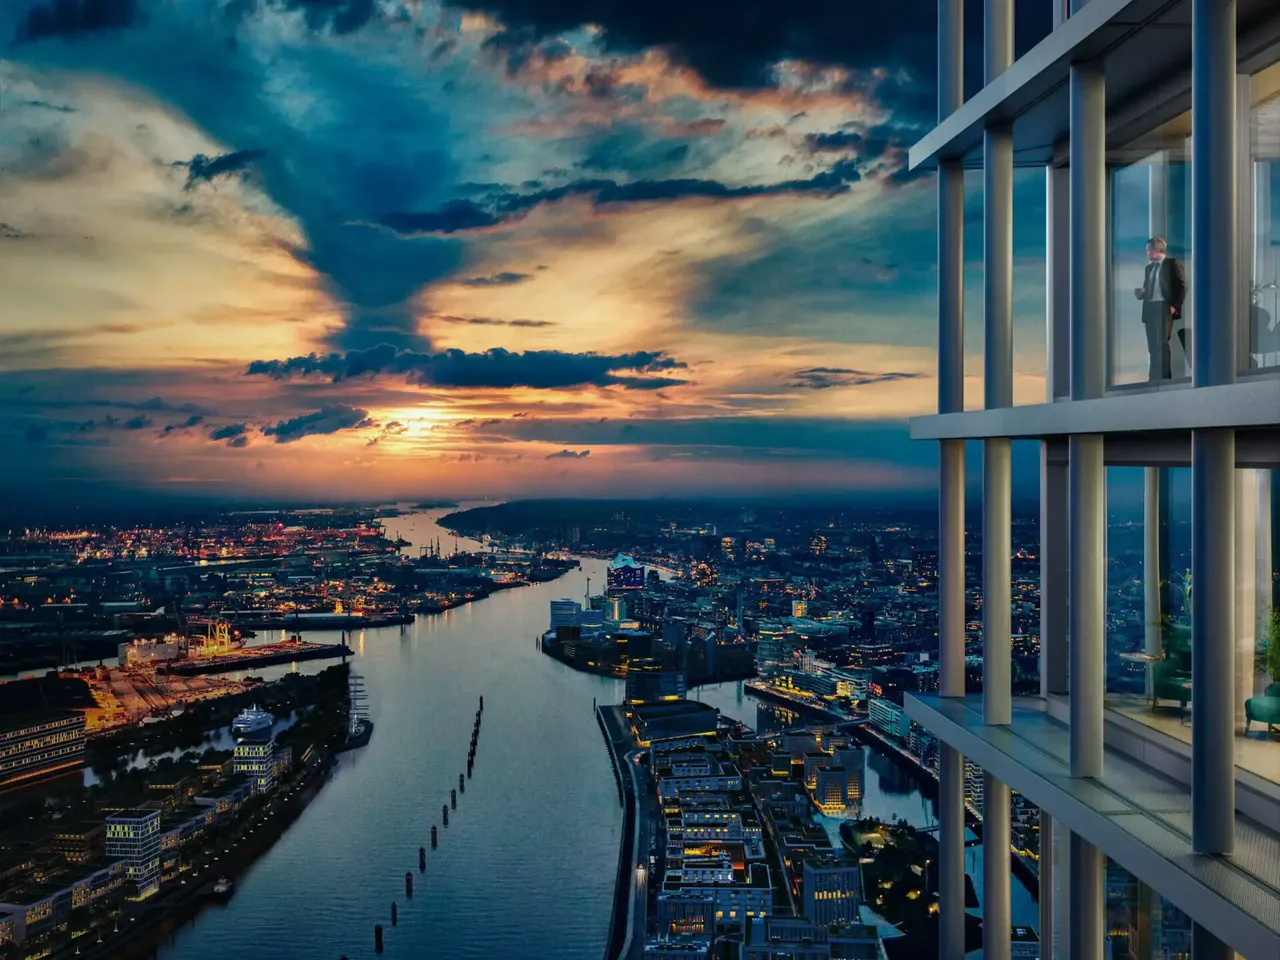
1173, 284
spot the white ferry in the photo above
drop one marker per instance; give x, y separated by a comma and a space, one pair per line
251, 721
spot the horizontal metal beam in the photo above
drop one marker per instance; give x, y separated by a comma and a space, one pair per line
1250, 403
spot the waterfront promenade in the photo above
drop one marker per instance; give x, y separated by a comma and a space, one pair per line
629, 921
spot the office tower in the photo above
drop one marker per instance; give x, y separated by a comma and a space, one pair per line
134, 836
1158, 137
254, 757
830, 890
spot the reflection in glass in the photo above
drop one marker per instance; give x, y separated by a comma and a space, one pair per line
1263, 333
1150, 304
1141, 924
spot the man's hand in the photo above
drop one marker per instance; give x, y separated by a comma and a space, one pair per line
1137, 293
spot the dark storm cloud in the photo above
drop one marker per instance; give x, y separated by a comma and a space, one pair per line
42, 430
330, 419
568, 455
377, 145
337, 16
192, 421
207, 169
500, 207
229, 432
494, 369
506, 278
735, 43
495, 322
823, 378
70, 18
839, 140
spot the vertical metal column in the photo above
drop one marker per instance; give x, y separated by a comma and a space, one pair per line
951, 886
1046, 883
1086, 477
951, 572
1214, 241
1155, 506
1087, 898
996, 916
1053, 467
997, 231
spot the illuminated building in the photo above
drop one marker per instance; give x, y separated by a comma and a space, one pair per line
686, 914
648, 681
831, 789
830, 891
35, 909
35, 747
134, 836
565, 613
255, 759
624, 573
799, 608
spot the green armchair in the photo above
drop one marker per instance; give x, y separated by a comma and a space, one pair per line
1171, 677
1264, 709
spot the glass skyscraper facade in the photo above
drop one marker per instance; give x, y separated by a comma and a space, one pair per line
1151, 749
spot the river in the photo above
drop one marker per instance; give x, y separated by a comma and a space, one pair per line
527, 865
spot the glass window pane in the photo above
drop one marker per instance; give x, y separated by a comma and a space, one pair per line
1150, 305
1263, 333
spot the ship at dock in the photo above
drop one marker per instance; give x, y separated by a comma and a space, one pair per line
359, 726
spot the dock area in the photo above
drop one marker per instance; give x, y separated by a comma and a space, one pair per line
247, 658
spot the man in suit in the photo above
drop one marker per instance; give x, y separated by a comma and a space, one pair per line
1164, 288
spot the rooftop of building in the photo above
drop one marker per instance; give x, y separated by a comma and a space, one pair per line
133, 813
46, 696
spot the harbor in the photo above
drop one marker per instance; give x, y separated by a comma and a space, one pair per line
518, 838
293, 650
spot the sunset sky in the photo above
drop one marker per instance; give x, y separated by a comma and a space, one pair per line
383, 248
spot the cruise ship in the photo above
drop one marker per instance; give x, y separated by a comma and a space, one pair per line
251, 721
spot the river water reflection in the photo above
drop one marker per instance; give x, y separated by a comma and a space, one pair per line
526, 866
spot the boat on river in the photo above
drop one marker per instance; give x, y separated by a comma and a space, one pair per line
251, 721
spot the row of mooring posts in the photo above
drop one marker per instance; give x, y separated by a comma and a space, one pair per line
435, 836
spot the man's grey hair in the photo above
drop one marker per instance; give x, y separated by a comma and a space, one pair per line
1159, 244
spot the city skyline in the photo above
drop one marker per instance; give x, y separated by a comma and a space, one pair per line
352, 250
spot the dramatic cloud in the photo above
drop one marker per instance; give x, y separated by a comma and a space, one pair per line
192, 421
207, 169
739, 43
69, 18
501, 206
330, 419
822, 378
495, 368
495, 322
231, 432
506, 278
39, 432
568, 455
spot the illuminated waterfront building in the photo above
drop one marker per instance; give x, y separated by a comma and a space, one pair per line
624, 573
134, 836
35, 747
254, 757
649, 681
830, 891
